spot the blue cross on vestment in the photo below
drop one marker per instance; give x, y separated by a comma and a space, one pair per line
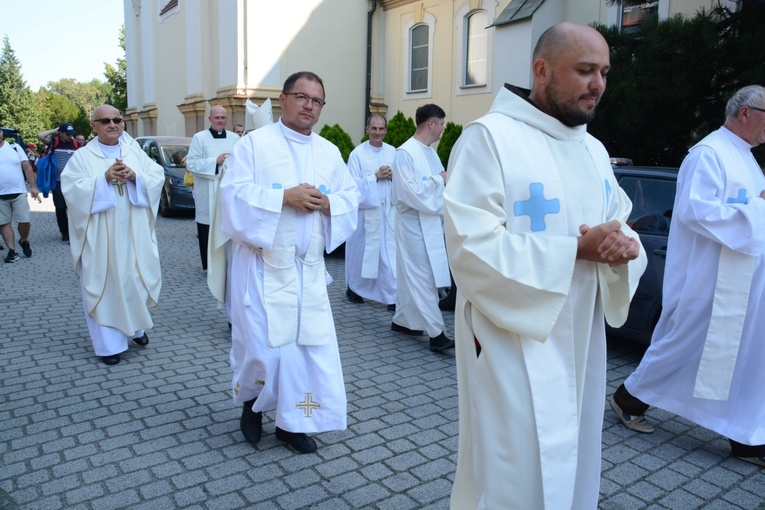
324, 190
740, 199
608, 193
276, 185
536, 207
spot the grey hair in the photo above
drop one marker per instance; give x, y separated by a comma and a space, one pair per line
746, 96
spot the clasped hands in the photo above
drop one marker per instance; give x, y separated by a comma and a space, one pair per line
384, 173
307, 198
119, 171
606, 243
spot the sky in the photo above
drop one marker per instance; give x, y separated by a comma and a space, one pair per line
55, 39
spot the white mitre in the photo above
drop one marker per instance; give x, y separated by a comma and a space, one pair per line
258, 116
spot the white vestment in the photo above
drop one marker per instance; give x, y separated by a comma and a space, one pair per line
284, 347
706, 361
202, 163
219, 252
421, 264
113, 242
370, 253
531, 402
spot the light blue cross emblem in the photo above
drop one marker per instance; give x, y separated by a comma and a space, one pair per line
324, 190
608, 193
740, 199
536, 207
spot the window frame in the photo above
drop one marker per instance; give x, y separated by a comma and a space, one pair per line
407, 40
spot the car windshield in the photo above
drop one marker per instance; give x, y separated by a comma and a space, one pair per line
175, 155
652, 202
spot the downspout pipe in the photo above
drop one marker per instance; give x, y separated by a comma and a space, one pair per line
368, 95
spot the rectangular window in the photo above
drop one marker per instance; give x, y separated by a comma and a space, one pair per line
635, 11
418, 76
476, 49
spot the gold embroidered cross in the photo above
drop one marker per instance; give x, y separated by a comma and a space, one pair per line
308, 405
119, 185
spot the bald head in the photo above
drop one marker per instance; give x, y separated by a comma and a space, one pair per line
570, 65
565, 37
218, 118
106, 121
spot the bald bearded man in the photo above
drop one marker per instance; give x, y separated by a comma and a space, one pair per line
540, 251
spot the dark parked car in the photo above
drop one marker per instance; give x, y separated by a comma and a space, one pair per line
652, 191
170, 152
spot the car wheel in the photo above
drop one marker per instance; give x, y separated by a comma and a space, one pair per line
164, 205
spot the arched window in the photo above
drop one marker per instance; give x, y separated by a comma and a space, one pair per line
475, 62
418, 61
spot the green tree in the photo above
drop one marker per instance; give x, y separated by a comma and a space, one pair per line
449, 137
400, 129
59, 108
17, 103
669, 82
340, 138
116, 76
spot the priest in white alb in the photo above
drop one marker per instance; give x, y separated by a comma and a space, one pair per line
539, 247
207, 153
286, 197
370, 253
422, 270
219, 249
112, 191
706, 361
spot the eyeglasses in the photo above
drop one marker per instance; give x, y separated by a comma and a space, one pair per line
303, 99
758, 109
105, 121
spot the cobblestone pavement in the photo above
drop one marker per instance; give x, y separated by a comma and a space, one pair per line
159, 430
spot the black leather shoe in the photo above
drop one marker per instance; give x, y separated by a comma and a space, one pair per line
300, 442
441, 343
401, 329
251, 423
143, 341
353, 297
111, 360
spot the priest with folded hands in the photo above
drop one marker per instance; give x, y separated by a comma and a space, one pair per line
112, 190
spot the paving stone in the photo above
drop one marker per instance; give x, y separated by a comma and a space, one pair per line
160, 430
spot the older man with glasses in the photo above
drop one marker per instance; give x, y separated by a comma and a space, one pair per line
112, 189
706, 361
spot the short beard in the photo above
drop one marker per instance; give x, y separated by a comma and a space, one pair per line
569, 116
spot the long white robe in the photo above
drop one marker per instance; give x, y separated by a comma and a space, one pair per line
370, 253
113, 242
201, 161
284, 347
713, 309
531, 403
219, 252
421, 264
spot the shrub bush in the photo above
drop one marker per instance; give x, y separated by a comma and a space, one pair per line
448, 138
340, 138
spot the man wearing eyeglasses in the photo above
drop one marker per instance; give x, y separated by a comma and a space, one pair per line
62, 147
207, 153
285, 198
112, 189
706, 361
